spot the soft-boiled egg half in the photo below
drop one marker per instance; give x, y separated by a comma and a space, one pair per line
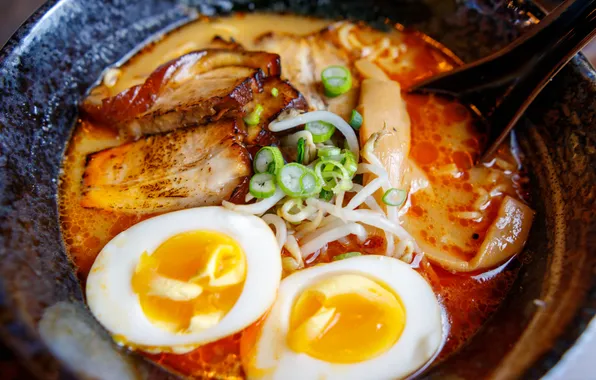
184, 279
367, 317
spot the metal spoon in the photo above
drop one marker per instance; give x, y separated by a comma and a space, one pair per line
502, 85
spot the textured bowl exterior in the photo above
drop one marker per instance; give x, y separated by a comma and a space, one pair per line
56, 56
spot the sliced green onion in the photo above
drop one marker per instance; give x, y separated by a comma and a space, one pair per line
310, 184
355, 120
326, 195
297, 180
337, 157
337, 80
333, 175
394, 197
346, 255
254, 117
349, 162
274, 92
328, 151
345, 157
262, 185
271, 168
268, 160
321, 131
301, 149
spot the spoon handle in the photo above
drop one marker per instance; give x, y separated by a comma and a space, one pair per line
502, 85
562, 39
517, 58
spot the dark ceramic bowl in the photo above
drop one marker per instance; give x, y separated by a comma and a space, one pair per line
47, 67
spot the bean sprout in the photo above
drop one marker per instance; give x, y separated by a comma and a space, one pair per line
374, 169
294, 249
311, 147
289, 264
367, 217
258, 208
498, 190
483, 200
328, 220
286, 210
368, 151
328, 227
311, 226
417, 259
390, 241
366, 192
339, 201
326, 116
370, 201
407, 249
281, 232
333, 235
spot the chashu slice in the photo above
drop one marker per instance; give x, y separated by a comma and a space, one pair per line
287, 98
172, 88
201, 100
219, 42
188, 167
303, 59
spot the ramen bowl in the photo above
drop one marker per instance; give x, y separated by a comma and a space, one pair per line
49, 65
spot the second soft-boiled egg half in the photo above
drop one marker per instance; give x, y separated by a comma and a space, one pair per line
184, 279
367, 317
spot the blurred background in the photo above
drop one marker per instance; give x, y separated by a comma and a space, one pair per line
14, 12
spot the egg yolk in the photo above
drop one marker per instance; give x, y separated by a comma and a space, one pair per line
346, 319
191, 281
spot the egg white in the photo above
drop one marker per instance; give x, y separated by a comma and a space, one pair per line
114, 303
421, 338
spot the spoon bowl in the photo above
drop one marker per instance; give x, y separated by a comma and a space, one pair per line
501, 86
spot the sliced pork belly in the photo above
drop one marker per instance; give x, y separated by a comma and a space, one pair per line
188, 167
303, 59
201, 100
198, 87
288, 98
221, 43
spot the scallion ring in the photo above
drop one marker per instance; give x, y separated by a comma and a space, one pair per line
254, 117
338, 158
326, 195
274, 92
355, 120
346, 256
336, 80
321, 131
297, 180
268, 160
333, 175
349, 162
328, 151
394, 197
301, 148
262, 185
309, 183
